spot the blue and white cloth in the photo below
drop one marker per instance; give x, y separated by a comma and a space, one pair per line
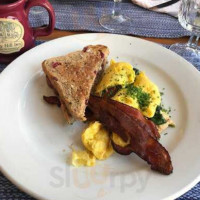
76, 15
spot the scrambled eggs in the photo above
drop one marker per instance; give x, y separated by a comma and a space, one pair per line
120, 73
149, 87
118, 140
96, 139
122, 97
143, 95
83, 158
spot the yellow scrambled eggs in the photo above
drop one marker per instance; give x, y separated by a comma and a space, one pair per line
120, 73
146, 86
83, 158
96, 139
118, 140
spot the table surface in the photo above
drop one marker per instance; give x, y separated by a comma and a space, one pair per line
58, 33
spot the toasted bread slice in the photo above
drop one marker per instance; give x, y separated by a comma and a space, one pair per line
97, 50
72, 77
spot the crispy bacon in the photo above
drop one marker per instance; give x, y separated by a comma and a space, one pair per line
129, 123
122, 150
52, 100
148, 125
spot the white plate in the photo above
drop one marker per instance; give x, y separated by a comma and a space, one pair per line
35, 140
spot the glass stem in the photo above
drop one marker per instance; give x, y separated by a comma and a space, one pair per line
193, 43
196, 42
189, 44
117, 8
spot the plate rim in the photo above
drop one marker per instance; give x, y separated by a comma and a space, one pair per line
8, 68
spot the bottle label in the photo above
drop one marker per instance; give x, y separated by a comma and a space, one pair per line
11, 36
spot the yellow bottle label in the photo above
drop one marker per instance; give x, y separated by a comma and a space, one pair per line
11, 36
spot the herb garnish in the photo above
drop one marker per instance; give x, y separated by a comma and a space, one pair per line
110, 92
143, 98
158, 118
172, 125
137, 71
161, 93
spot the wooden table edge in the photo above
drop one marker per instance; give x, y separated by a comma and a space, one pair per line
169, 41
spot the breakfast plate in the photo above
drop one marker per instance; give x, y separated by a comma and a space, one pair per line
35, 141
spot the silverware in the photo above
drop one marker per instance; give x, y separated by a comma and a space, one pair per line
163, 5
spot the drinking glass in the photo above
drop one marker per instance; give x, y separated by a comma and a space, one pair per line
115, 20
189, 18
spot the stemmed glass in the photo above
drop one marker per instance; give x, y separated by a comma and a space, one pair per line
115, 20
189, 18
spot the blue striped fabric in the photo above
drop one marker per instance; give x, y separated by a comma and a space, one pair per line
83, 15
8, 191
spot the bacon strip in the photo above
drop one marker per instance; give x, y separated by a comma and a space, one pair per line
52, 100
128, 122
148, 125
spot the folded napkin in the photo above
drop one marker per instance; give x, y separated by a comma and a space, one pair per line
165, 6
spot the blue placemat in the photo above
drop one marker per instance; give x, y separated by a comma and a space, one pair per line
8, 191
84, 15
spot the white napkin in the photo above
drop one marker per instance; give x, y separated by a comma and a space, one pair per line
172, 9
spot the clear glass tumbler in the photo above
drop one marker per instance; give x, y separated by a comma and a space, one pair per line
189, 18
